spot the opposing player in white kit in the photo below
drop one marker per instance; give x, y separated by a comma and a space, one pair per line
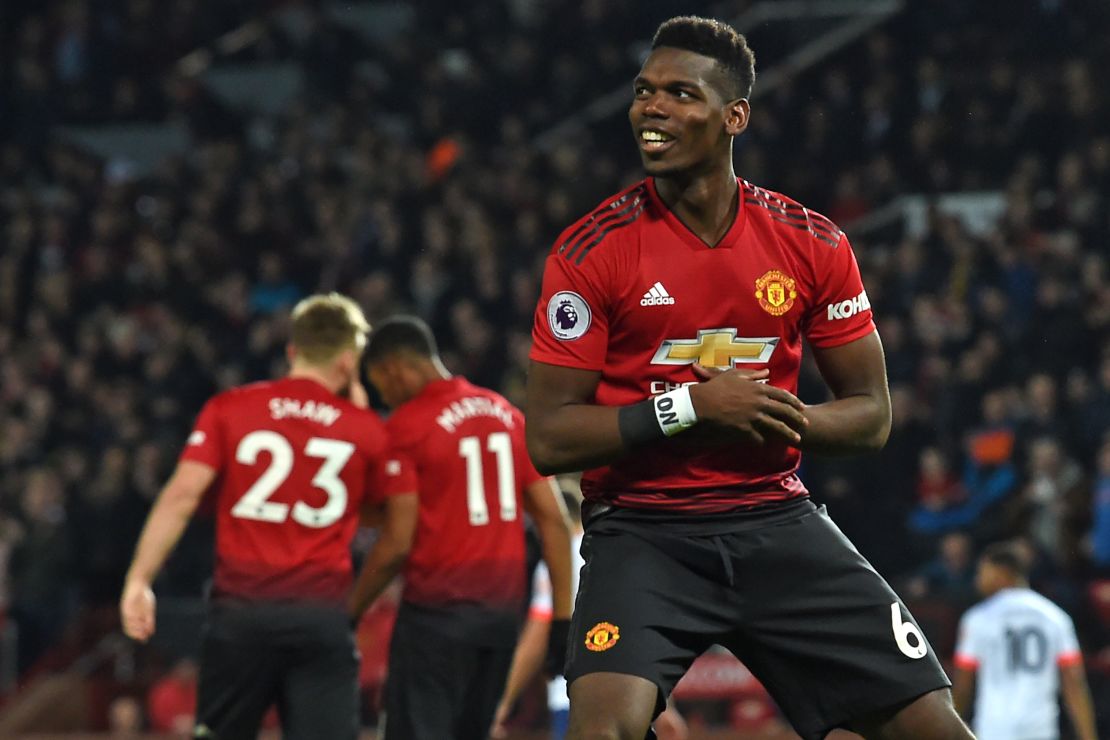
1016, 651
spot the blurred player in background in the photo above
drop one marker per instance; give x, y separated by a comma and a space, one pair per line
530, 651
1016, 651
464, 580
694, 275
293, 461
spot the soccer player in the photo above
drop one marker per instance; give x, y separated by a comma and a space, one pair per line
464, 580
530, 650
666, 349
292, 462
1023, 648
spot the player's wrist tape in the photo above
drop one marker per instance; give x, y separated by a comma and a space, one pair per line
675, 411
663, 416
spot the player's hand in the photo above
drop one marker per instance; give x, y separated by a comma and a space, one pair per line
555, 661
356, 394
759, 412
136, 610
498, 730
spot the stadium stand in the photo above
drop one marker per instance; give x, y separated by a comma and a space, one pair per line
401, 170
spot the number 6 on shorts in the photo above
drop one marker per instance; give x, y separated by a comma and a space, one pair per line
904, 630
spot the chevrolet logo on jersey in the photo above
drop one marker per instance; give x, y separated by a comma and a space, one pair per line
715, 348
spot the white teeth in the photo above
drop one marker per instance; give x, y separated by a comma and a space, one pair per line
653, 136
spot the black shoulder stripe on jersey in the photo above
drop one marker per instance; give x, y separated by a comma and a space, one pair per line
611, 227
802, 227
818, 221
799, 222
601, 227
801, 218
601, 215
823, 225
815, 221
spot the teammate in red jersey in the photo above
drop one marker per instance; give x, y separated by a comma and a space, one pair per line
677, 309
464, 590
292, 462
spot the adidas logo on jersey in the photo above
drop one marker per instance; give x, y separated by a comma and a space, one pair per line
657, 296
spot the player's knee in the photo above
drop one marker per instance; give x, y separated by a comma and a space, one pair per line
610, 707
595, 732
595, 722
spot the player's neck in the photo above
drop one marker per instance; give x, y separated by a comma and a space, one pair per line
329, 380
430, 371
706, 202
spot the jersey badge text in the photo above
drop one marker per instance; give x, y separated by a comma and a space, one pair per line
849, 308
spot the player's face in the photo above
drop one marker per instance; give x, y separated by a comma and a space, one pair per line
679, 116
987, 578
384, 380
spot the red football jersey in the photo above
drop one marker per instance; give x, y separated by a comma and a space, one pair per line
466, 446
631, 292
295, 463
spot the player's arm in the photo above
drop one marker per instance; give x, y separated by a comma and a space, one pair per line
567, 432
166, 522
858, 418
963, 688
531, 648
544, 504
371, 515
387, 554
1077, 698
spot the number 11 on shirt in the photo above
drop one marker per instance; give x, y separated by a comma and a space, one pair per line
470, 449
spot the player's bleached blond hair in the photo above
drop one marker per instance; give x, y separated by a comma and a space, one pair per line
324, 325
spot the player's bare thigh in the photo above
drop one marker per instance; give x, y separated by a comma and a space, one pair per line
611, 706
930, 716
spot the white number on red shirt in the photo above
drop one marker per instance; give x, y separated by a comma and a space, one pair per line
255, 503
501, 445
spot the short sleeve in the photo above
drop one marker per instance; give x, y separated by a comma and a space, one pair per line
968, 652
571, 325
541, 607
394, 474
840, 312
205, 443
1068, 652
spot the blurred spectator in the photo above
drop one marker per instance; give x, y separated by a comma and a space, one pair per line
1054, 488
40, 566
937, 486
950, 575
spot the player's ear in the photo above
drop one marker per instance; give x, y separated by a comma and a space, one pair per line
290, 352
736, 116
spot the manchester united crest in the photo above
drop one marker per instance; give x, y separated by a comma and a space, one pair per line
602, 636
775, 292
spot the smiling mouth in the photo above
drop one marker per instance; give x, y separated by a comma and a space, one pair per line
654, 142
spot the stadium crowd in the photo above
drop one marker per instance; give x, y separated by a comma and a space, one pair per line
412, 183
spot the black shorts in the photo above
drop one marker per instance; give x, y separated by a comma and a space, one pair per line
299, 657
787, 593
441, 687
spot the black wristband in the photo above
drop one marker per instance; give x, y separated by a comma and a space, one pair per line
638, 424
557, 640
